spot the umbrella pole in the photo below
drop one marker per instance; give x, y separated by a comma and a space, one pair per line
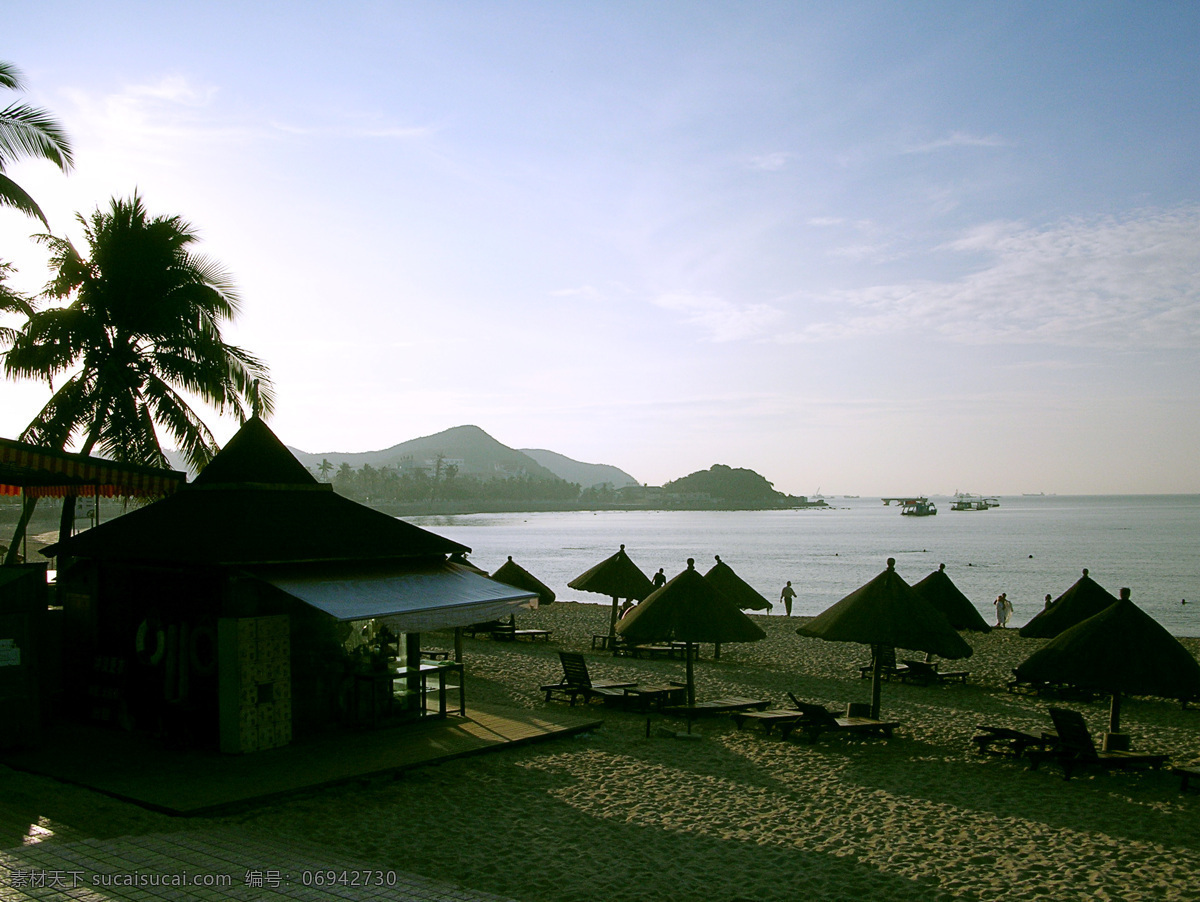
691, 680
691, 683
612, 623
1114, 714
876, 681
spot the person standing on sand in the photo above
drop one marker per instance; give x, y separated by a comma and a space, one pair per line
786, 597
1004, 609
660, 579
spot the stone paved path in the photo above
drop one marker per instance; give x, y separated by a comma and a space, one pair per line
204, 866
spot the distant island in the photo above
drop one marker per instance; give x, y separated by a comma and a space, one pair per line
465, 470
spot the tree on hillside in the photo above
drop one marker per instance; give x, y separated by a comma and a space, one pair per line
26, 131
141, 329
325, 468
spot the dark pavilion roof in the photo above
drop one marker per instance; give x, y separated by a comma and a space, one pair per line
255, 504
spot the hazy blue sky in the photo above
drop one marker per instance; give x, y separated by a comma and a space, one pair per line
867, 247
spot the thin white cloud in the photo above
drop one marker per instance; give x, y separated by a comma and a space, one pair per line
956, 139
771, 162
1131, 282
722, 320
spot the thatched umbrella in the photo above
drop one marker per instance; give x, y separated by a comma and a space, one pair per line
1083, 600
513, 574
688, 609
887, 612
618, 577
735, 588
1121, 650
938, 589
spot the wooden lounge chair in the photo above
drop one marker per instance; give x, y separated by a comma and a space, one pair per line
576, 682
889, 668
766, 717
1075, 747
925, 673
999, 740
817, 719
712, 706
1050, 690
1185, 774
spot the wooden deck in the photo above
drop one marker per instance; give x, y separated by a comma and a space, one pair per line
131, 766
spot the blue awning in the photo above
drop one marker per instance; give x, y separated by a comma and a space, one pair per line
408, 599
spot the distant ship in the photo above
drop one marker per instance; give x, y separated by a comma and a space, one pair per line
965, 502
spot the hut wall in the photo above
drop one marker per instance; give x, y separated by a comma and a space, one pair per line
22, 640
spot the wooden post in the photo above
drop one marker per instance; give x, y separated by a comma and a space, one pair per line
876, 682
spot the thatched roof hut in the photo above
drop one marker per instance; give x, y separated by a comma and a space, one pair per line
736, 589
939, 590
1084, 599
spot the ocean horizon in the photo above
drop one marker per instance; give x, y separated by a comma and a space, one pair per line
1028, 547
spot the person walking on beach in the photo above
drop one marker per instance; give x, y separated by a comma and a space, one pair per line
786, 597
660, 579
1004, 609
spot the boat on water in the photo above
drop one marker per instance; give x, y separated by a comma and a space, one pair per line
917, 507
965, 502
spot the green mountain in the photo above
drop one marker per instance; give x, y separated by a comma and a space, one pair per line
468, 448
585, 475
727, 486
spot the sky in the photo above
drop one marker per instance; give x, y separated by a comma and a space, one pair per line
860, 248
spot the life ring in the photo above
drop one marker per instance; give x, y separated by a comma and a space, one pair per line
151, 630
202, 650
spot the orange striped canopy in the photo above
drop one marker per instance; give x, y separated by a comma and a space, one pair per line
43, 472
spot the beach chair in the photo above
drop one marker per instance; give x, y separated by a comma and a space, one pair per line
1002, 740
817, 719
1185, 774
767, 718
1074, 747
889, 669
926, 673
713, 706
577, 681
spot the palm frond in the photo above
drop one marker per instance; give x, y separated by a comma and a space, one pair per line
26, 131
13, 195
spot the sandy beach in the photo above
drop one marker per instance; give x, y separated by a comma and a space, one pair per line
738, 815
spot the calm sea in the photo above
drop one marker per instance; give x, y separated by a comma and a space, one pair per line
1027, 547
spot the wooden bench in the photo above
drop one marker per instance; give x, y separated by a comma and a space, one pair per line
767, 717
1185, 773
726, 705
998, 740
926, 673
817, 719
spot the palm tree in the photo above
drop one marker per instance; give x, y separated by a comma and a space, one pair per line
141, 329
26, 131
325, 468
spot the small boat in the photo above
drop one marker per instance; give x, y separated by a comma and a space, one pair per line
917, 507
964, 502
